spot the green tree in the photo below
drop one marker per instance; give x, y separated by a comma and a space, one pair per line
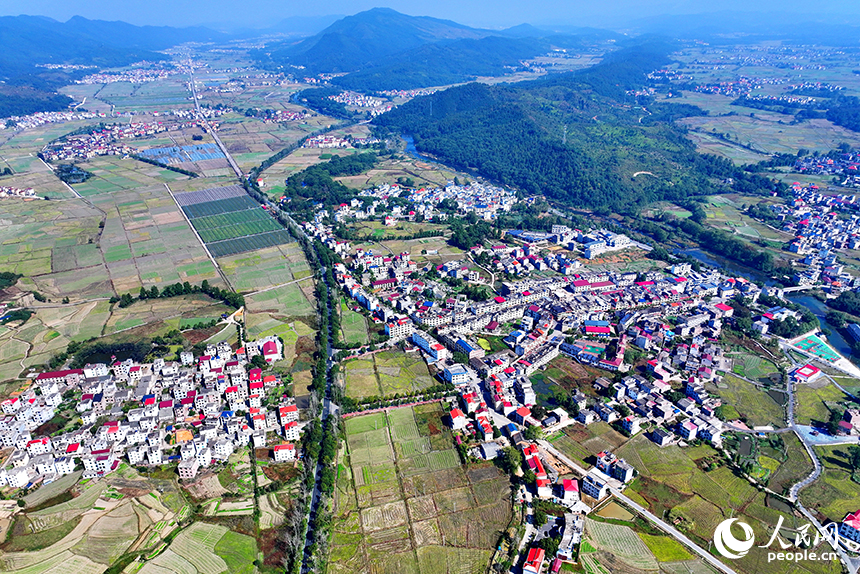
533, 432
854, 457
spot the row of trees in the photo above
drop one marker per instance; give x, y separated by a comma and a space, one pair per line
163, 165
229, 298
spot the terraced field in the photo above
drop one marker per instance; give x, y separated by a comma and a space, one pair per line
405, 504
672, 481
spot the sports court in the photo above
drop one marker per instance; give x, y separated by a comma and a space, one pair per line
817, 347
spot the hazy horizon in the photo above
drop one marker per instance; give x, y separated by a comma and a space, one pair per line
479, 13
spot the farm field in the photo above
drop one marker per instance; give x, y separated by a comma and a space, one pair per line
169, 93
377, 231
752, 367
812, 401
87, 533
753, 404
670, 480
796, 466
386, 373
437, 517
252, 140
389, 170
353, 326
834, 494
114, 173
203, 549
765, 132
437, 249
726, 212
581, 443
19, 150
61, 246
621, 542
229, 221
265, 268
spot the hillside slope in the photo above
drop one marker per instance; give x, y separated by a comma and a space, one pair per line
576, 138
365, 38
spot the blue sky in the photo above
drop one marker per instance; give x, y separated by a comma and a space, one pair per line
484, 13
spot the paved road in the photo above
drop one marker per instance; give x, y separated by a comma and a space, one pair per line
208, 127
664, 526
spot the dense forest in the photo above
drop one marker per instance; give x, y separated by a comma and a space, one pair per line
316, 183
575, 138
445, 63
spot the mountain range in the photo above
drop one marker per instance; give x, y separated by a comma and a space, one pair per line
32, 40
382, 49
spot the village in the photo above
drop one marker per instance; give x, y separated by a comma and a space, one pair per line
194, 412
821, 234
6, 191
670, 319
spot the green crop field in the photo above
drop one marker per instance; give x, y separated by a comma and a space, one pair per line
665, 548
751, 402
671, 481
267, 267
353, 326
812, 400
622, 542
386, 373
834, 494
752, 367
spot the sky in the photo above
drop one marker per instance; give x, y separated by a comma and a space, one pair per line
479, 13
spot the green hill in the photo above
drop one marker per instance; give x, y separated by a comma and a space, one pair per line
579, 138
363, 39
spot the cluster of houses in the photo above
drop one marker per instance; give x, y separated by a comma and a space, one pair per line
6, 191
132, 76
194, 412
353, 99
845, 164
409, 93
326, 142
277, 116
820, 233
41, 118
485, 201
741, 86
104, 141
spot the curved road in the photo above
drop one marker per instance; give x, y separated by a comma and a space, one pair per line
664, 526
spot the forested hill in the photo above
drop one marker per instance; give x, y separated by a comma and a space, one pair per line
363, 39
443, 63
577, 138
381, 49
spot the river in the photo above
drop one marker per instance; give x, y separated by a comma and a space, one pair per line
411, 150
819, 309
725, 265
